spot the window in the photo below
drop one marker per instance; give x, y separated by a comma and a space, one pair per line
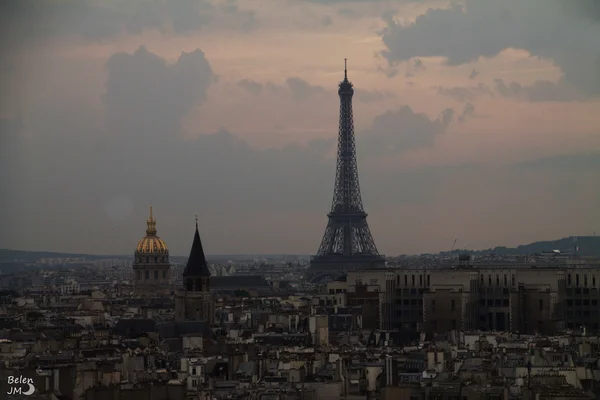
453, 324
413, 280
541, 305
497, 280
428, 280
432, 305
577, 280
147, 275
420, 280
155, 274
398, 280
164, 274
585, 281
569, 279
490, 280
594, 280
513, 280
405, 280
373, 281
452, 305
505, 280
482, 279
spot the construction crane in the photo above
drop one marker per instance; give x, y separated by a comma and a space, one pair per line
453, 244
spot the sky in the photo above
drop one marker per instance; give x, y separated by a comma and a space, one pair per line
476, 120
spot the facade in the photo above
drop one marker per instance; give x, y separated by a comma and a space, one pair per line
347, 243
151, 266
517, 298
194, 302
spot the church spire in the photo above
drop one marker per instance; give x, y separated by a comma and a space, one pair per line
196, 265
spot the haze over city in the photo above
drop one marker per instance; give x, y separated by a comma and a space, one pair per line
477, 121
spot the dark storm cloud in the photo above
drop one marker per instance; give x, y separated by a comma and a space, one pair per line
484, 28
147, 96
41, 19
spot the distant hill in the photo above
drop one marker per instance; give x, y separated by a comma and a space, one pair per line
589, 246
31, 256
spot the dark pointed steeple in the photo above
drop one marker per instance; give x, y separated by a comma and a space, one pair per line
196, 265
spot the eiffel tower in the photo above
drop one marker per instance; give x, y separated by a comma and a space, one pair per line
347, 243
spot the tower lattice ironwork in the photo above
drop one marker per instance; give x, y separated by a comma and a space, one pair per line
347, 242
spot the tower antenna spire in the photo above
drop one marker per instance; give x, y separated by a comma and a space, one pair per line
196, 221
345, 69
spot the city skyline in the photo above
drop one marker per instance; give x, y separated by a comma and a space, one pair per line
230, 112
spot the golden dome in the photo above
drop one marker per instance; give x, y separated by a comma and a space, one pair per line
151, 244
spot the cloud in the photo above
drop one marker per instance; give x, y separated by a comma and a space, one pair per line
458, 93
346, 2
484, 28
326, 21
146, 95
85, 163
302, 90
44, 19
465, 94
539, 91
372, 96
298, 88
251, 86
11, 151
414, 68
404, 130
467, 111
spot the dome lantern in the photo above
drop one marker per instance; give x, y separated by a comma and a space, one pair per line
151, 244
